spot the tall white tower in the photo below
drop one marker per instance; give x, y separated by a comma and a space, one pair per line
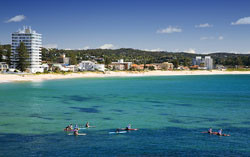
33, 43
209, 62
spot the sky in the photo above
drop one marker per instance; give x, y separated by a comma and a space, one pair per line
194, 26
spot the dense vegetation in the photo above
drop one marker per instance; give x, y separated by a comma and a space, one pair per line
141, 57
137, 56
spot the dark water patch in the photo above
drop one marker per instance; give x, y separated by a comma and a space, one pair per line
182, 104
117, 110
246, 122
175, 121
78, 98
67, 113
5, 124
96, 106
155, 102
158, 105
39, 116
224, 125
210, 119
107, 118
164, 114
87, 110
68, 119
169, 141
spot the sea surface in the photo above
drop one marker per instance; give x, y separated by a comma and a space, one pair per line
169, 111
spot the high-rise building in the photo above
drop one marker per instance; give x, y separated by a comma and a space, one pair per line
197, 60
33, 43
208, 62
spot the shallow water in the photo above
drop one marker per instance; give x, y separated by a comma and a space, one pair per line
170, 112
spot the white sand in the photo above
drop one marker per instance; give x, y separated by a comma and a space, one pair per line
33, 77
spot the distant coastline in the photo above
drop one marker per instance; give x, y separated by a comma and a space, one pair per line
4, 78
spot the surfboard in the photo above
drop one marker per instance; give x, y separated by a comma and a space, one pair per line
120, 132
79, 134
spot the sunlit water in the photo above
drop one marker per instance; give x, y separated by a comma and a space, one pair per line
170, 112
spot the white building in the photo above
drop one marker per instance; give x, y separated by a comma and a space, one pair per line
203, 63
120, 65
90, 66
33, 43
86, 66
208, 62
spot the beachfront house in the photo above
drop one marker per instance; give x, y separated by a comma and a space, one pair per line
59, 67
91, 66
4, 67
86, 66
120, 65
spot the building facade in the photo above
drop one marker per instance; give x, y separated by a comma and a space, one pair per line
120, 65
208, 62
203, 63
33, 43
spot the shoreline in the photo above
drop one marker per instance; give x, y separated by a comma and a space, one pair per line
6, 78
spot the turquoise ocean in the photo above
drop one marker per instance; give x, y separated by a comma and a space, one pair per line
169, 111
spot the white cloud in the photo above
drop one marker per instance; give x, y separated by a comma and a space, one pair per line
170, 29
206, 38
67, 49
154, 50
107, 46
191, 51
203, 25
50, 46
242, 21
17, 18
86, 47
220, 37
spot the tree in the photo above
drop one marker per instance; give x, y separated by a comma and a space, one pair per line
1, 53
8, 56
175, 63
107, 61
73, 60
23, 62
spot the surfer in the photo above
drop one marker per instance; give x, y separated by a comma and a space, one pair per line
76, 132
68, 128
219, 132
76, 127
210, 130
128, 127
87, 125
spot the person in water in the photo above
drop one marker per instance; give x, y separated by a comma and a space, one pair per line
117, 130
69, 127
87, 125
76, 127
210, 131
76, 132
220, 132
128, 127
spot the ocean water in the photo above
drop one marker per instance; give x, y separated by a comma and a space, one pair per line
169, 111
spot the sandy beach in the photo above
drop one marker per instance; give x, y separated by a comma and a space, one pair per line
35, 77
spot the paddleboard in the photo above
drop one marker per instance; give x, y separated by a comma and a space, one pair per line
79, 134
120, 132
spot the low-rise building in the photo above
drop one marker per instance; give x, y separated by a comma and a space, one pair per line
54, 67
86, 66
167, 66
4, 67
90, 66
120, 65
63, 59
